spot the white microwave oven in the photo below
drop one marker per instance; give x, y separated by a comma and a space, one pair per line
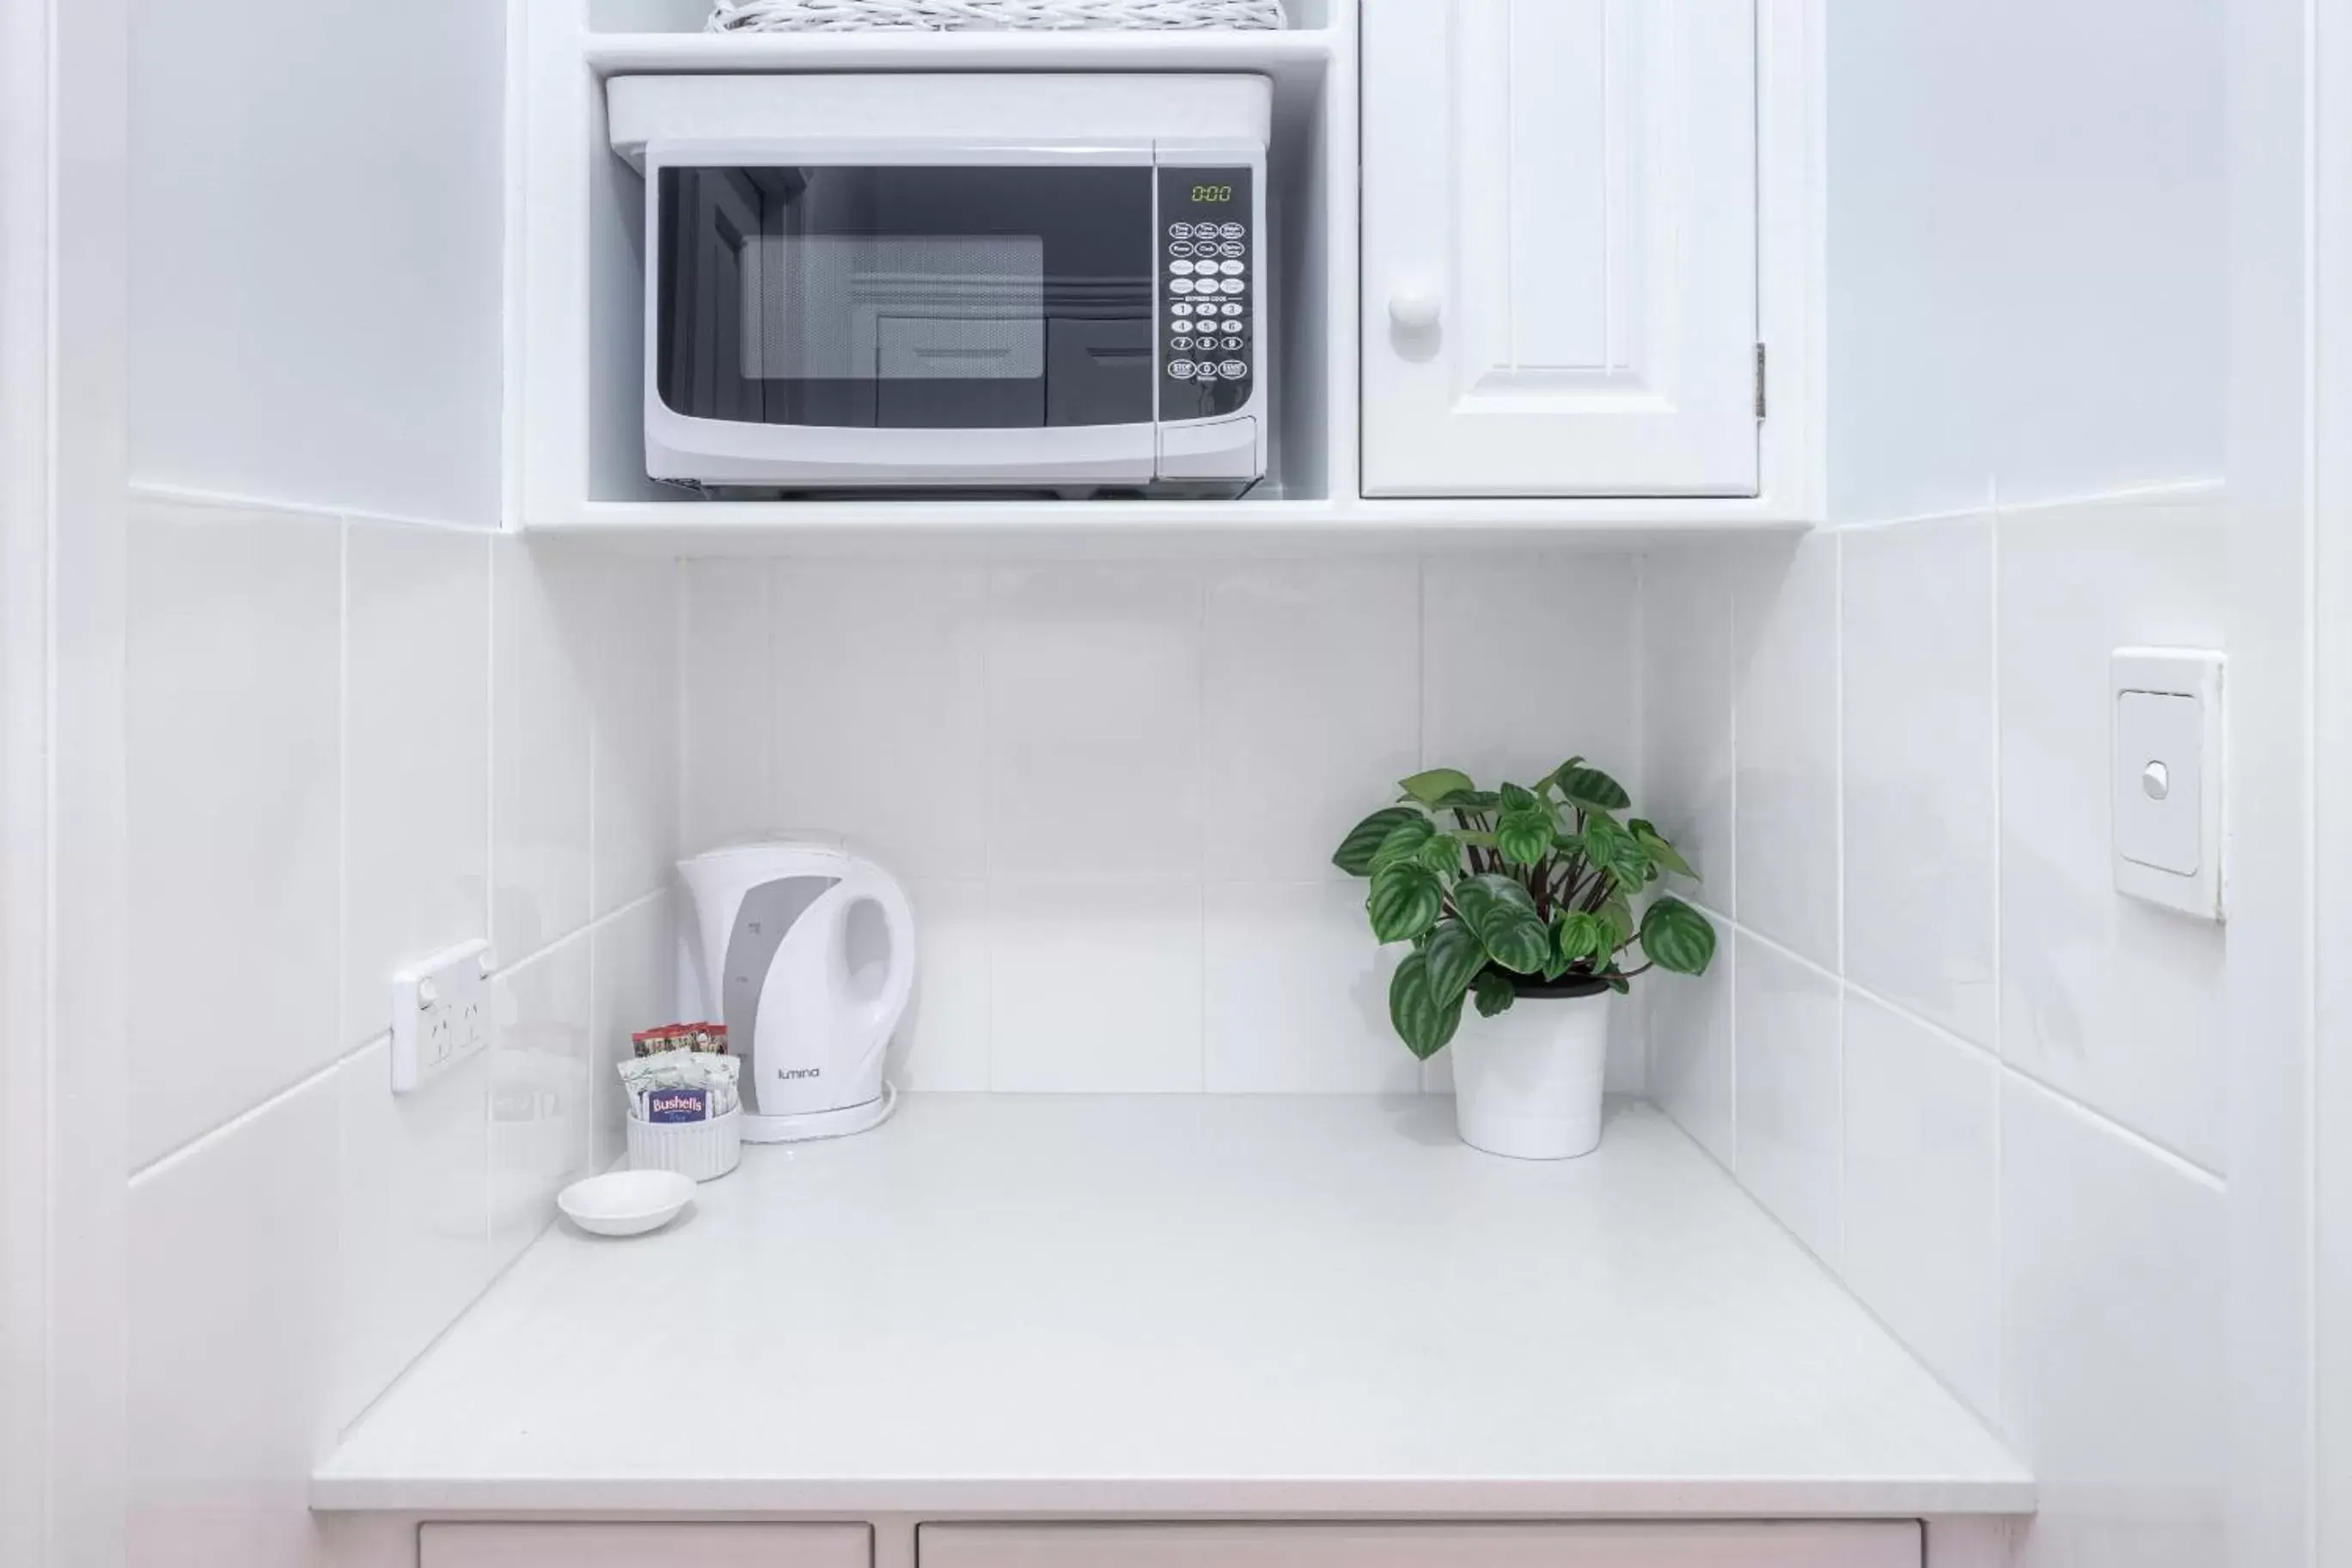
1046, 282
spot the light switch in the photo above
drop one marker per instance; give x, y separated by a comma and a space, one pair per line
2166, 750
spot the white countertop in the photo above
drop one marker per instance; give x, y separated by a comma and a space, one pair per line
1180, 1305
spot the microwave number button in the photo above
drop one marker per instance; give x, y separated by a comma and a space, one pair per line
1180, 309
1230, 308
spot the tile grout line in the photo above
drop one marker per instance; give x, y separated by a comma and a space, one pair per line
229, 500
310, 1080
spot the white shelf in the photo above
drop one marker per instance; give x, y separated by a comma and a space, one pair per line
1161, 527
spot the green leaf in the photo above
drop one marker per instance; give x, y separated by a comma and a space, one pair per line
1551, 779
1677, 936
1455, 956
1405, 900
1493, 993
1613, 849
1422, 1021
1469, 801
1576, 935
1617, 927
1525, 832
1591, 787
1432, 787
1662, 853
1364, 840
1442, 855
1504, 915
1404, 842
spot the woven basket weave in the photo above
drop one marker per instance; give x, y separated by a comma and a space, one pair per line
950, 15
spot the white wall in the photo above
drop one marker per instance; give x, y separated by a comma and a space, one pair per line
1113, 788
359, 725
1987, 1090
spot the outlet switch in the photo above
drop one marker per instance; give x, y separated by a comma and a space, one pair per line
440, 1014
2166, 708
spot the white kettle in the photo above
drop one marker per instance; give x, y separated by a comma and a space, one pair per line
806, 953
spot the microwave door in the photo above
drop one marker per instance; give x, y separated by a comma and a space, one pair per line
887, 323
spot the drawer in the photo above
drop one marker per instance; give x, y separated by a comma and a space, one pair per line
1894, 1544
645, 1546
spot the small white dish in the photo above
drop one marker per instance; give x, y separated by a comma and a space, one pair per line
625, 1203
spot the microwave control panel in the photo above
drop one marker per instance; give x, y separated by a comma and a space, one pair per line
1208, 296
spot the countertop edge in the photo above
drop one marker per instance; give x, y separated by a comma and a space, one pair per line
1760, 1497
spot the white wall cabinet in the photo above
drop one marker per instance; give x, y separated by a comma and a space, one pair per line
1560, 247
1630, 1545
644, 1546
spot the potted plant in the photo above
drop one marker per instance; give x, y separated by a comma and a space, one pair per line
1520, 901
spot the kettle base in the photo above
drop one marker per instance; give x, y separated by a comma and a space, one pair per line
839, 1123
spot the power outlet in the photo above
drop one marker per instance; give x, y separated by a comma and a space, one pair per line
440, 1014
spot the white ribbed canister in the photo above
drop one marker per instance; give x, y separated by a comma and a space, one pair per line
703, 1150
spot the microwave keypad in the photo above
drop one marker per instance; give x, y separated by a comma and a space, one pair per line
1208, 354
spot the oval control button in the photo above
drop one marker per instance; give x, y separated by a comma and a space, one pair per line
1231, 247
1230, 310
1230, 285
1181, 368
1233, 369
1230, 269
1180, 286
1230, 231
1183, 268
1183, 230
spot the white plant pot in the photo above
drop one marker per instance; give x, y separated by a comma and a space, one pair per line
1528, 1084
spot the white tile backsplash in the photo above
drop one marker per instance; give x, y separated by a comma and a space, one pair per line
1104, 779
1691, 1071
540, 1121
1917, 613
1528, 660
1786, 1015
233, 814
2115, 1288
1094, 746
1688, 667
1922, 1130
1785, 625
1296, 998
635, 964
880, 690
415, 1216
2113, 1001
416, 777
539, 757
1985, 1087
1313, 709
230, 1328
1095, 986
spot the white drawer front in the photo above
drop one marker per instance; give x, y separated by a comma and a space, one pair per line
645, 1546
1628, 1545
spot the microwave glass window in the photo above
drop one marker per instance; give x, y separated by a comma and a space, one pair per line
906, 298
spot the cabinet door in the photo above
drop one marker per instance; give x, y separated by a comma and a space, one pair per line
644, 1546
1560, 247
1633, 1545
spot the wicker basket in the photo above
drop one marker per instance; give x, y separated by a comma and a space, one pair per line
949, 15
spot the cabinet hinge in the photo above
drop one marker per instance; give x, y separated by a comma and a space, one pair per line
1760, 381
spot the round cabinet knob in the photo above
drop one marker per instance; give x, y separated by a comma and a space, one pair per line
1415, 309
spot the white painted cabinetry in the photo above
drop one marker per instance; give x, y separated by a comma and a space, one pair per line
644, 1546
1628, 1545
1560, 247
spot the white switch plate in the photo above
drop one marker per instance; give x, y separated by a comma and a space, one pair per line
440, 1014
2165, 724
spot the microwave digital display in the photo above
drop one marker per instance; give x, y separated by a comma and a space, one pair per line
1211, 195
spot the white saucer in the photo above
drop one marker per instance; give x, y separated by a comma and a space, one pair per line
625, 1203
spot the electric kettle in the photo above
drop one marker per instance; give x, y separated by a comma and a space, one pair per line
806, 952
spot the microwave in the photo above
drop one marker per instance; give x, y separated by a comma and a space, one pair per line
1041, 283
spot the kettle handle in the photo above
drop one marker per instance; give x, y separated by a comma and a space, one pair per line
881, 1015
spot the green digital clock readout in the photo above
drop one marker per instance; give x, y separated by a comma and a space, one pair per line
1208, 195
